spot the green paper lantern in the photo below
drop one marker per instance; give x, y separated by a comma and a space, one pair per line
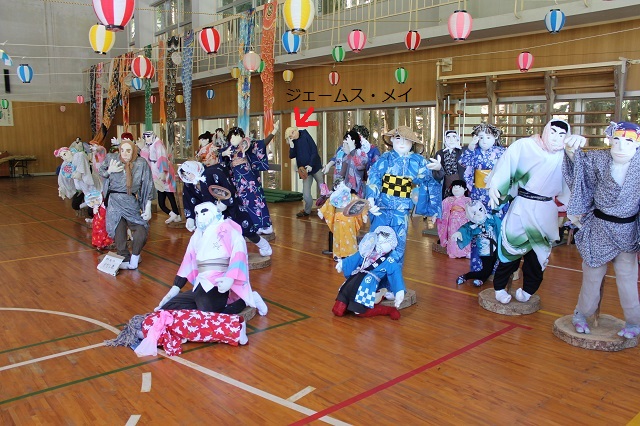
401, 75
4, 103
338, 54
261, 67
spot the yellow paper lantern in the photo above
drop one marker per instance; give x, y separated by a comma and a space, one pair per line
235, 72
101, 39
299, 14
287, 75
179, 99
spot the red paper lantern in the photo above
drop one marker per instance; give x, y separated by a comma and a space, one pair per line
142, 67
334, 78
114, 14
412, 40
209, 39
525, 61
80, 99
152, 99
460, 23
357, 40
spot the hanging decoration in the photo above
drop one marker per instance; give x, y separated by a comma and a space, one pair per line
163, 60
4, 103
6, 59
298, 15
357, 40
210, 94
246, 39
287, 76
152, 99
101, 39
412, 40
63, 108
142, 67
148, 109
80, 99
251, 61
209, 39
176, 57
401, 75
525, 61
187, 80
171, 74
460, 23
291, 42
269, 15
136, 83
262, 66
334, 78
25, 73
235, 72
554, 20
179, 99
114, 14
337, 53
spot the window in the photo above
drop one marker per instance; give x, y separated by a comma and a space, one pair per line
172, 17
378, 121
519, 120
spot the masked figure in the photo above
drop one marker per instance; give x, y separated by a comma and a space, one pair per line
453, 217
449, 158
208, 153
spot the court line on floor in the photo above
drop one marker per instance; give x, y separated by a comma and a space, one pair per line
146, 382
304, 392
44, 358
31, 223
408, 375
46, 255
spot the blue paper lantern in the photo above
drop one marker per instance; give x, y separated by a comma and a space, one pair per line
210, 94
25, 73
291, 42
136, 83
554, 20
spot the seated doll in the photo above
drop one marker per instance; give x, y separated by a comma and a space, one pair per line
483, 230
453, 217
364, 271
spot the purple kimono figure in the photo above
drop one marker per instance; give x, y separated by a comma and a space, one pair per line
453, 217
354, 164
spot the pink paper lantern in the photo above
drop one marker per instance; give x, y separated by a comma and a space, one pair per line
525, 61
152, 99
80, 99
334, 78
142, 67
209, 39
251, 61
412, 40
460, 23
357, 40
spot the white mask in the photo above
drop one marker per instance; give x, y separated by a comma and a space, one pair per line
148, 138
67, 156
126, 152
623, 149
401, 145
476, 212
556, 138
207, 214
235, 140
348, 145
457, 191
452, 140
203, 142
486, 140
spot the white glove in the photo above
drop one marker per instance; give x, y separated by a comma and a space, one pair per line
221, 206
399, 298
146, 214
456, 236
224, 284
191, 224
339, 266
308, 168
276, 127
572, 143
494, 197
320, 215
433, 218
115, 166
373, 209
61, 193
575, 219
474, 143
226, 152
172, 293
365, 218
328, 167
290, 142
434, 164
114, 141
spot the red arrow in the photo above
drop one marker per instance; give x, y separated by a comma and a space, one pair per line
302, 121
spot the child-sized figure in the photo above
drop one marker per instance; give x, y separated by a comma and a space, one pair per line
372, 151
453, 217
449, 158
344, 228
355, 163
364, 270
208, 153
482, 231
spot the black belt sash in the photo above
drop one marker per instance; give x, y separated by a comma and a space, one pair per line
531, 196
601, 215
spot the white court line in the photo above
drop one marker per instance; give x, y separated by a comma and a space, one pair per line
133, 420
44, 358
146, 382
269, 397
303, 392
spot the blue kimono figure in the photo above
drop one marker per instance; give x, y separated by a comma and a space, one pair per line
391, 180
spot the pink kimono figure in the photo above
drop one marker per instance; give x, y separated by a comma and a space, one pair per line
163, 174
453, 217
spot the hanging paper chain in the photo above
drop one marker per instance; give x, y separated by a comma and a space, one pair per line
187, 70
160, 74
269, 16
148, 109
247, 23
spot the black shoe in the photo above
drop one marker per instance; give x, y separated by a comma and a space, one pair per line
302, 213
327, 252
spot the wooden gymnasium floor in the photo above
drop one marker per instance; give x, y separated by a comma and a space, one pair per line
446, 361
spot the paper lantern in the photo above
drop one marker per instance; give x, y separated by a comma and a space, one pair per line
142, 67
136, 83
401, 75
114, 14
179, 99
251, 61
334, 78
412, 40
6, 59
210, 94
63, 108
291, 42
80, 99
287, 76
235, 72
554, 20
298, 15
152, 99
338, 53
209, 39
357, 40
176, 57
262, 65
101, 39
525, 61
25, 73
4, 103
460, 23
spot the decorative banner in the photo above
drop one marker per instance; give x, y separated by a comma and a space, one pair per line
187, 70
173, 45
161, 71
247, 22
113, 98
92, 99
97, 99
6, 118
269, 15
148, 109
125, 74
